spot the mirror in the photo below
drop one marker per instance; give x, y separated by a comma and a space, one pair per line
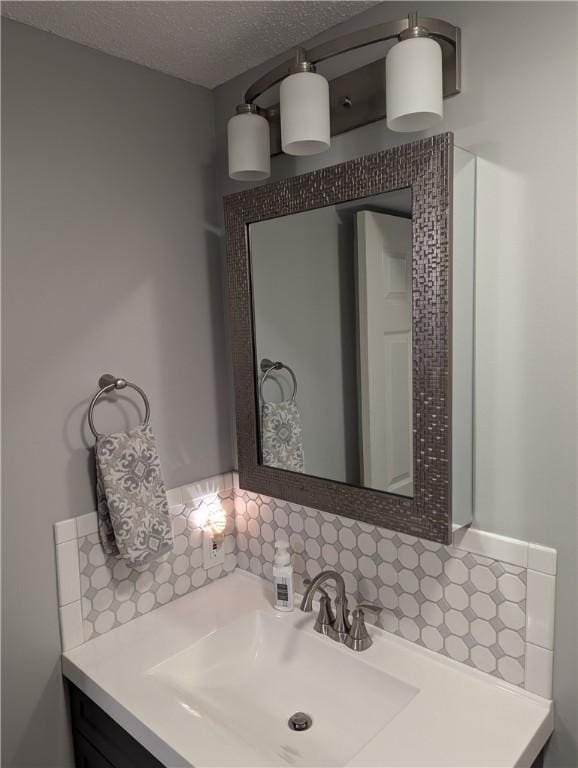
351, 317
332, 308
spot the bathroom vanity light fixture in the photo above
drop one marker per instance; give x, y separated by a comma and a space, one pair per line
421, 69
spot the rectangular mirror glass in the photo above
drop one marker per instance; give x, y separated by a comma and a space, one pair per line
332, 315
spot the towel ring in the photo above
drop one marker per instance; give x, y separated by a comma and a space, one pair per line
107, 383
267, 366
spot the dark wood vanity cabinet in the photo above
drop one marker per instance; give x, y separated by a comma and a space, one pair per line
99, 741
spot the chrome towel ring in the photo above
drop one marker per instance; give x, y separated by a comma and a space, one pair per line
267, 367
107, 383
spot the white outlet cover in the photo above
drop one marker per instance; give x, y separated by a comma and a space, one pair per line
212, 555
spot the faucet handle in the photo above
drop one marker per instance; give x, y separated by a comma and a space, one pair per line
359, 638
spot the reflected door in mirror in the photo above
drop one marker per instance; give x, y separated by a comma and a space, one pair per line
385, 360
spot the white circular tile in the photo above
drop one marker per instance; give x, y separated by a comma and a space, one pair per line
456, 571
267, 532
297, 543
432, 639
456, 596
483, 578
180, 545
456, 648
125, 612
165, 593
409, 605
121, 570
347, 560
296, 522
329, 554
102, 600
511, 670
483, 605
387, 574
266, 513
408, 581
124, 591
511, 642
312, 548
179, 525
144, 581
312, 528
457, 623
347, 538
181, 565
199, 577
408, 557
182, 584
387, 550
366, 544
367, 567
101, 577
163, 573
255, 547
145, 603
329, 533
96, 555
104, 622
431, 563
408, 628
512, 615
483, 632
387, 597
431, 588
196, 558
483, 659
512, 587
432, 614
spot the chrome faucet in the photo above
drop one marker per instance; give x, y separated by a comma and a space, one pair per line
337, 626
340, 626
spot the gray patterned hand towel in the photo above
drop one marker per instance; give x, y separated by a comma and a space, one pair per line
133, 514
282, 436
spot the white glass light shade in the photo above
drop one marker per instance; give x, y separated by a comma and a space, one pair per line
249, 153
305, 127
413, 85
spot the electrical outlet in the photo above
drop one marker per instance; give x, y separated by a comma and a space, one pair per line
213, 551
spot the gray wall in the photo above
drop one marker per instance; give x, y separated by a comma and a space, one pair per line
111, 263
518, 113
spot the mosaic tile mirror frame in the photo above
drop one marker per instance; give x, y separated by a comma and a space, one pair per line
426, 167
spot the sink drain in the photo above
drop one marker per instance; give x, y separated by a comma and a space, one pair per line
300, 722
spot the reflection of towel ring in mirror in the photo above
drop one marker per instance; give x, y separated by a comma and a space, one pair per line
267, 366
108, 383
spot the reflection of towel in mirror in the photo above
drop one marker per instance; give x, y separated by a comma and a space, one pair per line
133, 513
282, 437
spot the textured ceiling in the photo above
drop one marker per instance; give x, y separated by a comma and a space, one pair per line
204, 42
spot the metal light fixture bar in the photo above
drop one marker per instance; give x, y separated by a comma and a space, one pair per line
358, 97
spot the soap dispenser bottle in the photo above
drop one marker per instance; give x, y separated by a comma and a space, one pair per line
283, 577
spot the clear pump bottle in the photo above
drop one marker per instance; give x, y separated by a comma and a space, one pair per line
283, 577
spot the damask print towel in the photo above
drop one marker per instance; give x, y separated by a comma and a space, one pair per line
282, 439
133, 513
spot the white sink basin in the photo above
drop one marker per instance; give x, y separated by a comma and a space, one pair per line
252, 675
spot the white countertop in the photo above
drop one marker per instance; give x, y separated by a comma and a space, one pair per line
461, 717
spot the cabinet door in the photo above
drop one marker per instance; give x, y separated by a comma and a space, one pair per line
86, 756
